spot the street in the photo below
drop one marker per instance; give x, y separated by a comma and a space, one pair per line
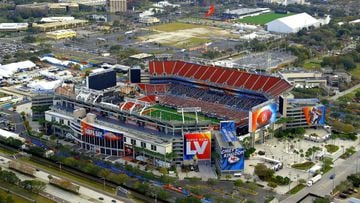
340, 94
342, 169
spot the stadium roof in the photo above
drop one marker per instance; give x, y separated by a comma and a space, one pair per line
292, 24
9, 69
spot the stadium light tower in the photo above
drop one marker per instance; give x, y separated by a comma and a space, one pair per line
189, 110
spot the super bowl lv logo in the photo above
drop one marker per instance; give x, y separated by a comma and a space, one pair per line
197, 146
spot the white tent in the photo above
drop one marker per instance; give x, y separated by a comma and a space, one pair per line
292, 24
44, 85
9, 69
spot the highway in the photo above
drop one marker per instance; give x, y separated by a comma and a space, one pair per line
342, 168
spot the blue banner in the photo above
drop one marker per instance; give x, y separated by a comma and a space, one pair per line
232, 159
228, 131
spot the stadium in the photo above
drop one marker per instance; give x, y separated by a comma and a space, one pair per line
220, 93
159, 121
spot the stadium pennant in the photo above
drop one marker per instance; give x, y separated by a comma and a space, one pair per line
210, 11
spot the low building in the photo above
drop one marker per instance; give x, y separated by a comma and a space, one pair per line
285, 2
47, 8
13, 27
243, 12
61, 34
44, 27
56, 19
149, 20
86, 2
304, 79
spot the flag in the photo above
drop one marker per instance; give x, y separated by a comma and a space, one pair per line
210, 11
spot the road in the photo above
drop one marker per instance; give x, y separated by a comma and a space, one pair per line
342, 168
335, 97
86, 195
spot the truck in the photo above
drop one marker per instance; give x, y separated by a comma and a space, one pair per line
313, 180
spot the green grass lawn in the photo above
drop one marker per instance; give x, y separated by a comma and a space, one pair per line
356, 72
331, 148
16, 189
16, 199
303, 166
263, 18
171, 27
296, 189
70, 176
314, 64
171, 114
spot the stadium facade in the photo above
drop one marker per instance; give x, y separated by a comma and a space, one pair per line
175, 118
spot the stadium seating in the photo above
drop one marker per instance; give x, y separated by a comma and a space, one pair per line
150, 89
268, 85
219, 92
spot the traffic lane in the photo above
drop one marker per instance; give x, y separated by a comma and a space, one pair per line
324, 186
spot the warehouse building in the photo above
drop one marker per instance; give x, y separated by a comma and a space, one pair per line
44, 27
61, 34
13, 27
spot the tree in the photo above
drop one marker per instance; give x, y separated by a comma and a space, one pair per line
9, 177
348, 62
29, 39
163, 171
9, 199
263, 172
238, 183
103, 173
33, 185
357, 94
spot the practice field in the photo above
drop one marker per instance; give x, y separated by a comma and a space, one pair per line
263, 18
183, 35
169, 114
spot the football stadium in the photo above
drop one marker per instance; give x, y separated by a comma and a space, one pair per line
181, 114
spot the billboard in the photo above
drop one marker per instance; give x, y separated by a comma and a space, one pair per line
315, 115
262, 116
92, 131
232, 159
228, 131
197, 146
101, 80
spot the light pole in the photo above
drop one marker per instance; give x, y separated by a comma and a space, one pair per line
290, 180
104, 183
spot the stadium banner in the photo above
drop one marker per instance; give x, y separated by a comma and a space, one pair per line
228, 130
262, 116
232, 159
197, 146
92, 131
315, 115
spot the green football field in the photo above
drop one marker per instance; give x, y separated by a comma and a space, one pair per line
170, 114
263, 18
